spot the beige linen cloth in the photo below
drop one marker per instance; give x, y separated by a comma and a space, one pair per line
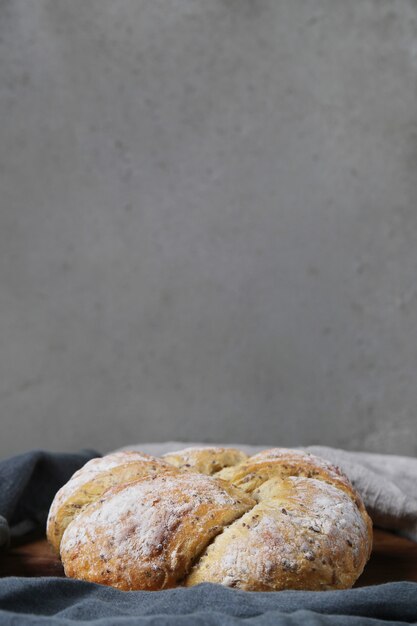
387, 483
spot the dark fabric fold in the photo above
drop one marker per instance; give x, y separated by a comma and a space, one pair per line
64, 601
28, 483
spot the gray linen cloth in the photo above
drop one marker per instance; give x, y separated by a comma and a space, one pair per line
387, 483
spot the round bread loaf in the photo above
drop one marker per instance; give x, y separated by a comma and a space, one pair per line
282, 519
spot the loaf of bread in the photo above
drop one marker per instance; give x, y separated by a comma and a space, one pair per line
282, 519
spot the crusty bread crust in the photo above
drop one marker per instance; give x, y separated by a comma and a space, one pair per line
205, 460
303, 534
282, 519
91, 481
147, 534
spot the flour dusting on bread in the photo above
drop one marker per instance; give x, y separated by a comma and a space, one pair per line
154, 527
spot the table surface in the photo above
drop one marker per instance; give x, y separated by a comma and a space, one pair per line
393, 558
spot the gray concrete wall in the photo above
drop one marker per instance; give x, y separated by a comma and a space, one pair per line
208, 224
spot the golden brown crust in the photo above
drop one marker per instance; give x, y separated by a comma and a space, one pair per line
282, 463
147, 534
302, 534
282, 519
205, 460
91, 481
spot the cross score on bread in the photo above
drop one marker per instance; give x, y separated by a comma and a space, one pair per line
282, 519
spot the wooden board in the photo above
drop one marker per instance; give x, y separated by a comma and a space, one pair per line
393, 558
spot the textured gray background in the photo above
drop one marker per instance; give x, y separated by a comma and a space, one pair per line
208, 224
